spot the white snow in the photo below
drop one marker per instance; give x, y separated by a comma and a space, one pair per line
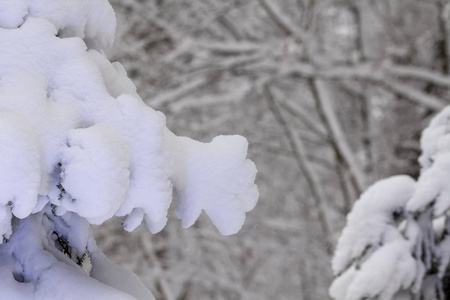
215, 177
95, 173
150, 188
376, 255
373, 259
20, 152
386, 271
435, 160
433, 187
371, 222
79, 145
435, 139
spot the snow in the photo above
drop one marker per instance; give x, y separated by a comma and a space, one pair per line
389, 269
150, 188
20, 152
372, 258
94, 173
114, 275
433, 188
43, 272
68, 120
79, 146
215, 177
435, 139
371, 222
93, 21
12, 13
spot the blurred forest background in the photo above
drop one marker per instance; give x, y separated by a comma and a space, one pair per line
332, 96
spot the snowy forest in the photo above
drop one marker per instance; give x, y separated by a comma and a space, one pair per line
342, 102
332, 96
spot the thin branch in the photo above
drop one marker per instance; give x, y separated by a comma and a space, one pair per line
161, 282
176, 94
299, 154
367, 72
281, 20
421, 74
231, 48
230, 27
336, 133
305, 119
282, 152
444, 25
363, 92
414, 95
345, 187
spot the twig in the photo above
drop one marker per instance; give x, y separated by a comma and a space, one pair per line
305, 119
280, 20
414, 95
300, 158
368, 73
336, 133
421, 74
183, 91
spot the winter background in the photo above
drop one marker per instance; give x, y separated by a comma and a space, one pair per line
332, 96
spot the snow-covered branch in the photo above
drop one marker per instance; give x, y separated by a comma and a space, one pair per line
405, 226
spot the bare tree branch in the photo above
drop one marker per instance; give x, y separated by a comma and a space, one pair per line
232, 48
300, 157
409, 72
183, 91
281, 20
305, 119
366, 72
414, 95
336, 133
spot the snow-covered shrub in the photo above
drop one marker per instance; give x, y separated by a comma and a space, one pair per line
397, 237
78, 146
